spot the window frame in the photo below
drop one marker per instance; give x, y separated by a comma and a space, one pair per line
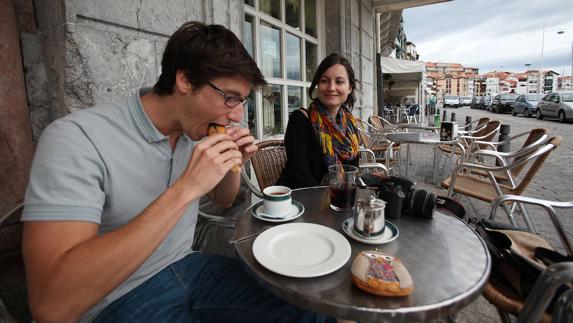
283, 81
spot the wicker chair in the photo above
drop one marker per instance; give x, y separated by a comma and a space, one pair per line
532, 309
268, 163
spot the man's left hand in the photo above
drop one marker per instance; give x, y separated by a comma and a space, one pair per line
243, 138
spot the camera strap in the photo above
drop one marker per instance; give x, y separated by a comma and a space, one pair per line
452, 206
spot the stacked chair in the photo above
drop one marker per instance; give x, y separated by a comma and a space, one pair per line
469, 139
373, 138
515, 171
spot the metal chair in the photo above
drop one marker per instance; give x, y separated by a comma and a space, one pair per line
533, 309
381, 124
474, 126
411, 113
535, 138
386, 153
463, 181
484, 133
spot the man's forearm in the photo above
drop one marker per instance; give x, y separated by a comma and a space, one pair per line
226, 191
79, 277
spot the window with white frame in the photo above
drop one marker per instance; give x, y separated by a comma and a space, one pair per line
282, 36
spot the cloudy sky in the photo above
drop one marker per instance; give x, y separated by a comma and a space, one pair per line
488, 34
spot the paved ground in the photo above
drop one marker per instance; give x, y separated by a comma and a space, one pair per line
552, 182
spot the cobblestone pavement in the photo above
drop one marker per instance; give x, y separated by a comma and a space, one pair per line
552, 182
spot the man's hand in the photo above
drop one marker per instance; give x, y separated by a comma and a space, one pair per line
244, 140
212, 158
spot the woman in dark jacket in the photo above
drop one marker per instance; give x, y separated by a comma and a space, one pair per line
326, 133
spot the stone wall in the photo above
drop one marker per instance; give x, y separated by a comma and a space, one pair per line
88, 52
350, 31
16, 146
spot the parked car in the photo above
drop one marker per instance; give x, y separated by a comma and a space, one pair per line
556, 105
526, 104
503, 102
465, 101
485, 102
451, 101
476, 102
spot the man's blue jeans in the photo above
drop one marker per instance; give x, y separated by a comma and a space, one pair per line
201, 288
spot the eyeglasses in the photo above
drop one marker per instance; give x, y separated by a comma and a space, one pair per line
230, 100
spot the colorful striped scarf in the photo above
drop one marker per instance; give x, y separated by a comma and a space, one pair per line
338, 136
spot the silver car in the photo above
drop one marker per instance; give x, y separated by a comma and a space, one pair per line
556, 105
451, 101
526, 104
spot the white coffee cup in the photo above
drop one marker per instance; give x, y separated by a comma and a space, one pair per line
277, 200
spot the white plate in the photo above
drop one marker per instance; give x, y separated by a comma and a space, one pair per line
389, 234
301, 250
296, 210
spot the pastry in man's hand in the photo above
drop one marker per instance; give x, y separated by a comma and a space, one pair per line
215, 128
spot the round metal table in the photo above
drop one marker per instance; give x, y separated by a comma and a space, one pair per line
448, 261
423, 139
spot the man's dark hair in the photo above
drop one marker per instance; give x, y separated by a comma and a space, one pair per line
327, 63
203, 53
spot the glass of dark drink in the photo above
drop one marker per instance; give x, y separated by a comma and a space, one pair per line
342, 187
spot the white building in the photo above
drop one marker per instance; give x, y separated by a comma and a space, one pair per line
492, 85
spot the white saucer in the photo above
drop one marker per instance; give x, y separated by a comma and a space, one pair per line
296, 210
389, 234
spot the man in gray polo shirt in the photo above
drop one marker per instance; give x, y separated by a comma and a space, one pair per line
112, 202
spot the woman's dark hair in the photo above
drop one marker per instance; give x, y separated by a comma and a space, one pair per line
205, 52
328, 62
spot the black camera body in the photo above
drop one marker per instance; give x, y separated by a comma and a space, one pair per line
401, 196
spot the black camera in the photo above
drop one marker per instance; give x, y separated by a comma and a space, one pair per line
400, 195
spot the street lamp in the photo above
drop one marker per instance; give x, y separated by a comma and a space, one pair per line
541, 77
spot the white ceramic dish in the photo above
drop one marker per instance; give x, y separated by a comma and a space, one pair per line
301, 250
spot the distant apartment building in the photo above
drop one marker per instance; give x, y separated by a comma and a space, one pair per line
565, 83
444, 68
532, 81
521, 86
451, 79
455, 79
550, 82
411, 53
480, 86
492, 85
400, 42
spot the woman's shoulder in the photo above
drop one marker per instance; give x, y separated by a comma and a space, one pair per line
301, 112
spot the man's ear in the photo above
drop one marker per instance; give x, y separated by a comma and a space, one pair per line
182, 84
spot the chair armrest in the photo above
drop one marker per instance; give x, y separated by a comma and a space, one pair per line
370, 156
255, 190
377, 166
549, 207
508, 140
